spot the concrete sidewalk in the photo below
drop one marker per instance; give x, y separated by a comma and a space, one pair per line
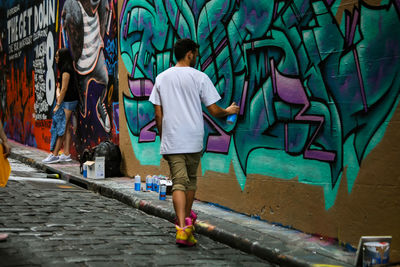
276, 244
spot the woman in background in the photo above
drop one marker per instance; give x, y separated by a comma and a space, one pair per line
67, 99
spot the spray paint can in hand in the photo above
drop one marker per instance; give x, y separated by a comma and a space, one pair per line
231, 119
137, 182
163, 192
149, 183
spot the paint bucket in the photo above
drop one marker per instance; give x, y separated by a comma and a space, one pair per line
375, 253
137, 182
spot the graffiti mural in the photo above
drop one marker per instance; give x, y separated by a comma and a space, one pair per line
315, 81
89, 30
34, 30
28, 78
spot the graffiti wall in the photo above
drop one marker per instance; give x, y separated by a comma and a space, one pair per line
318, 85
32, 31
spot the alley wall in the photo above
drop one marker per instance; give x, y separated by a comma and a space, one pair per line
31, 33
315, 145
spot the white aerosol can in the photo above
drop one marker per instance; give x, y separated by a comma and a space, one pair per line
137, 182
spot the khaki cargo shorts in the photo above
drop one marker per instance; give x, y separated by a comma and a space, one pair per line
183, 168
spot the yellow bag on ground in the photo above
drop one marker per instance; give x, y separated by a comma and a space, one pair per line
5, 168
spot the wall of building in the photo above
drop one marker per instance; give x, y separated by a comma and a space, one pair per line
315, 144
32, 31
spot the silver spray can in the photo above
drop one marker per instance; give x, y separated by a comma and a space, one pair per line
163, 192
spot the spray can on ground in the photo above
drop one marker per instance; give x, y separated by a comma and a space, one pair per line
149, 183
137, 182
84, 171
163, 192
231, 119
156, 183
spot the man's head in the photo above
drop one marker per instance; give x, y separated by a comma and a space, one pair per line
186, 49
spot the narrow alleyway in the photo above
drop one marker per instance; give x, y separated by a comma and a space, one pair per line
53, 223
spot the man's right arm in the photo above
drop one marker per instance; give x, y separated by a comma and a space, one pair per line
159, 117
217, 111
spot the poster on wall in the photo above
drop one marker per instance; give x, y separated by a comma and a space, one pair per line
28, 77
89, 30
32, 33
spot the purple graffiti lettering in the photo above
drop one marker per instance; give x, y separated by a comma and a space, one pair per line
351, 25
146, 135
218, 50
177, 19
360, 80
140, 87
217, 143
291, 90
243, 99
134, 65
127, 25
122, 12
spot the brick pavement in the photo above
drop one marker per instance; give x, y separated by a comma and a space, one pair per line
58, 224
281, 245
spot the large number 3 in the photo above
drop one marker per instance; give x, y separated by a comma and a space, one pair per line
50, 82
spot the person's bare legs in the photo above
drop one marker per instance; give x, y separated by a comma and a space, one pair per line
58, 145
68, 137
179, 200
189, 202
192, 164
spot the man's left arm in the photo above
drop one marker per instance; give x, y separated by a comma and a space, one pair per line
218, 112
159, 117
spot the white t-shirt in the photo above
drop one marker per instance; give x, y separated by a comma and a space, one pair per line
180, 91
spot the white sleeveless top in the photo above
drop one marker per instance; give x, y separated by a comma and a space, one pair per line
92, 43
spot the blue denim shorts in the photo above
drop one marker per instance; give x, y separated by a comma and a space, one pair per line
70, 105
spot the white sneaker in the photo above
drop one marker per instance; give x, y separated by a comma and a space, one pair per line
65, 158
51, 159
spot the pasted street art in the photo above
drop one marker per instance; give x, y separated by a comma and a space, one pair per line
34, 30
316, 81
89, 30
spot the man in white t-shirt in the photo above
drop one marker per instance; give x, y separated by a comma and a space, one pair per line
177, 96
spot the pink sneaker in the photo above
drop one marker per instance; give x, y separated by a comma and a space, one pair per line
189, 223
184, 236
3, 237
192, 216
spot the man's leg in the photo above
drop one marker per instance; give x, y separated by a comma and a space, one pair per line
179, 200
177, 166
192, 164
189, 202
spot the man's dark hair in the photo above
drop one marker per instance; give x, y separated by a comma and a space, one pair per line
182, 46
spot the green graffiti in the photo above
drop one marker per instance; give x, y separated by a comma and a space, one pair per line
315, 93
